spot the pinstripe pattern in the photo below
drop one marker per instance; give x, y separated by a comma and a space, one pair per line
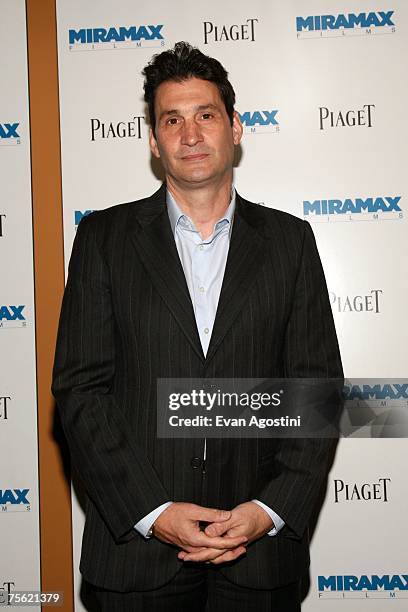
126, 320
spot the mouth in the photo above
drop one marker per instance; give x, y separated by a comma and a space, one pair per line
194, 157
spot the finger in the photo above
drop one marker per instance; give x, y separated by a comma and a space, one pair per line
229, 555
240, 530
201, 539
207, 554
190, 549
218, 529
209, 515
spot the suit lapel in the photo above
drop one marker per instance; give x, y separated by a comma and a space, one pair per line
244, 260
154, 242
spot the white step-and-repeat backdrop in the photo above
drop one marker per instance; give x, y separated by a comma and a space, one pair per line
322, 92
19, 506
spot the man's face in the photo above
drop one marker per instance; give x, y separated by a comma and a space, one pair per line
194, 137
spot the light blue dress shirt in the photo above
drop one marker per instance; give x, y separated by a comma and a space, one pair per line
203, 263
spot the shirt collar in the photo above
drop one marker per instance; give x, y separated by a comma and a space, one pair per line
175, 213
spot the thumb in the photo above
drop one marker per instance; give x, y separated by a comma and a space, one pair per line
217, 529
212, 515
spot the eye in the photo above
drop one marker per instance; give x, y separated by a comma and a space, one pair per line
172, 121
207, 116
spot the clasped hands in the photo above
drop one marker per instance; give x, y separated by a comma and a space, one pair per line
224, 539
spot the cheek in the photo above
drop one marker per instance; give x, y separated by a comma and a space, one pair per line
168, 153
168, 146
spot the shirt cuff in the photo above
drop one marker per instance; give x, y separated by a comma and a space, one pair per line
278, 522
143, 526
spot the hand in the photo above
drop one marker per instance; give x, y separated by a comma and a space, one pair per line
179, 525
247, 520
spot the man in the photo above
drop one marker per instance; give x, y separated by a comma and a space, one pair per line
193, 281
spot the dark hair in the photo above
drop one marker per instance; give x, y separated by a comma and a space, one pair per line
184, 62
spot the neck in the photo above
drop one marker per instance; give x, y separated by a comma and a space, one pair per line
204, 205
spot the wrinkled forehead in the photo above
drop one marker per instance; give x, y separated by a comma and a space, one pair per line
187, 95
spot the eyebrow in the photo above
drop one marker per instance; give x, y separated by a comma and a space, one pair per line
197, 109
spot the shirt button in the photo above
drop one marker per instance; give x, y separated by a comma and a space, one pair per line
201, 247
195, 463
202, 289
206, 330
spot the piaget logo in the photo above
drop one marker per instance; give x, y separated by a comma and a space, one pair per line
117, 130
365, 302
359, 117
361, 491
6, 588
229, 32
4, 407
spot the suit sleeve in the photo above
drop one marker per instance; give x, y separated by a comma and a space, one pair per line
310, 351
116, 473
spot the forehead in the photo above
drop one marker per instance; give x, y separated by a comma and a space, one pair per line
184, 94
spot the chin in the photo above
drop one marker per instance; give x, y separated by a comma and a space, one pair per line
197, 177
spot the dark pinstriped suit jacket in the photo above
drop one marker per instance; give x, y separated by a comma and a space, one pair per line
126, 320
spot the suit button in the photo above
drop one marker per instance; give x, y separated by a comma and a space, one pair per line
196, 463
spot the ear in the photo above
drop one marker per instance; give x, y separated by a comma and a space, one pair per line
237, 128
153, 144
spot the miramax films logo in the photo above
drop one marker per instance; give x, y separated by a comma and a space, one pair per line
10, 133
365, 586
345, 24
375, 408
259, 121
12, 315
79, 215
14, 500
369, 208
116, 37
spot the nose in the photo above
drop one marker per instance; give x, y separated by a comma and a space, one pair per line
191, 133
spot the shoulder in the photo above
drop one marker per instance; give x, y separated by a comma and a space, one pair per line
285, 237
122, 216
107, 230
117, 212
272, 222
